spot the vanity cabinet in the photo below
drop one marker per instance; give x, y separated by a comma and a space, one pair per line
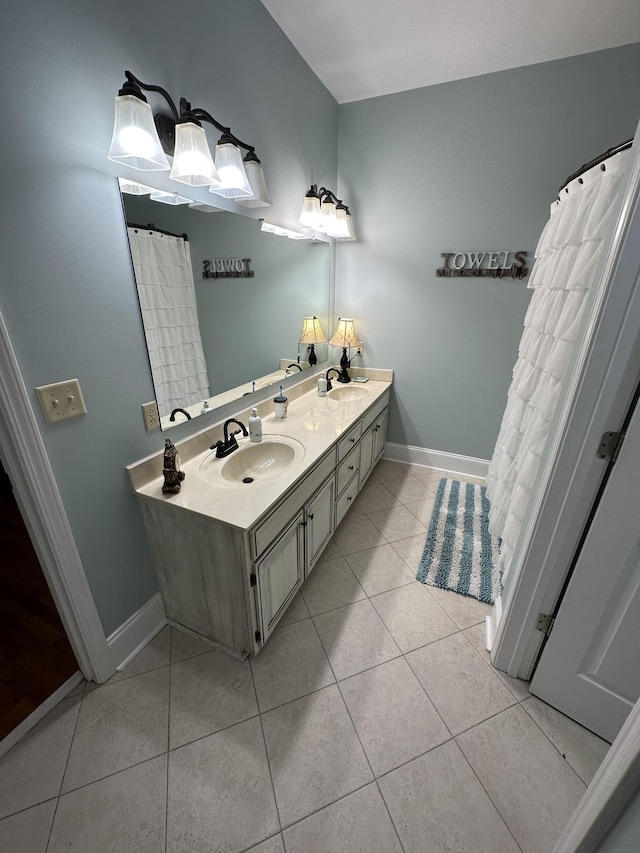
373, 440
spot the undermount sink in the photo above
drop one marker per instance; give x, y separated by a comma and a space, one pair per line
254, 463
347, 393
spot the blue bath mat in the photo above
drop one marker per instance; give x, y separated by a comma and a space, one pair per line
460, 554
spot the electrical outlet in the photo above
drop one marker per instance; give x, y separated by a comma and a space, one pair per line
150, 415
61, 401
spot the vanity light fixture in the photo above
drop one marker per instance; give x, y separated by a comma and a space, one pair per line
323, 211
281, 231
312, 334
134, 188
142, 141
345, 337
169, 198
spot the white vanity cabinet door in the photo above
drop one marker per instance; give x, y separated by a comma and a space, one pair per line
366, 455
279, 574
319, 518
380, 435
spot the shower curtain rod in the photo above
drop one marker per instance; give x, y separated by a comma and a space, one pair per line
151, 227
585, 168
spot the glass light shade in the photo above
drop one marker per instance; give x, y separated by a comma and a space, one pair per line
260, 194
134, 188
135, 140
344, 335
233, 178
327, 216
339, 228
312, 331
169, 198
192, 161
204, 208
310, 214
281, 231
350, 232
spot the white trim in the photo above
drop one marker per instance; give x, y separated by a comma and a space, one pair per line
451, 463
134, 634
616, 782
596, 400
26, 462
40, 713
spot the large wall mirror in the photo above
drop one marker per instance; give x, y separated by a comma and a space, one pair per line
248, 327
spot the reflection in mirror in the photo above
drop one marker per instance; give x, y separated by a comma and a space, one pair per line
223, 310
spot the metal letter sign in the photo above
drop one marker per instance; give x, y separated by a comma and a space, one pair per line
483, 265
227, 268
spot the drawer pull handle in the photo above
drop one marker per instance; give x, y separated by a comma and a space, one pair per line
349, 497
310, 515
352, 440
351, 467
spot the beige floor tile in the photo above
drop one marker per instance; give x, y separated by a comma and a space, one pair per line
423, 510
291, 664
533, 788
430, 478
397, 523
155, 654
386, 470
209, 692
411, 550
271, 845
32, 771
129, 806
460, 684
356, 533
464, 610
379, 569
220, 795
119, 725
185, 646
355, 638
330, 552
394, 719
408, 489
412, 616
359, 822
477, 637
295, 612
28, 831
314, 754
437, 805
375, 496
581, 748
331, 584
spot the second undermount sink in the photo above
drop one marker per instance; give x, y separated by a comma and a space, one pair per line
254, 463
347, 393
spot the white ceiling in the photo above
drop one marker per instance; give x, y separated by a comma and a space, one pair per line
364, 48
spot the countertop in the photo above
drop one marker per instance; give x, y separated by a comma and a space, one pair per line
316, 422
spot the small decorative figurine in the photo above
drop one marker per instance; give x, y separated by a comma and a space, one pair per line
173, 475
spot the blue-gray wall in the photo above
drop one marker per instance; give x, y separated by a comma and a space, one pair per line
66, 286
463, 166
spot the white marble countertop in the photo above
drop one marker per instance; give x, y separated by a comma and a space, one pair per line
316, 422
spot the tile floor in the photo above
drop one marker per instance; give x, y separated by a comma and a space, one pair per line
371, 721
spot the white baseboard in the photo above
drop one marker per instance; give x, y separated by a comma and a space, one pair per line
139, 629
466, 466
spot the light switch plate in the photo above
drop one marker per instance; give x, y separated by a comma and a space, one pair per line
150, 415
61, 401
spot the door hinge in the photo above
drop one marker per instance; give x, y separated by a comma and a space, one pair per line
258, 637
545, 623
609, 447
253, 579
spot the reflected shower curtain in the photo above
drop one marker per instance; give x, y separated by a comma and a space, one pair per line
162, 266
567, 258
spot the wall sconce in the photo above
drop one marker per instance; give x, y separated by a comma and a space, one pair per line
142, 141
345, 337
324, 212
312, 334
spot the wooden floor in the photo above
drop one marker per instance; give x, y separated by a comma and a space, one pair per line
35, 655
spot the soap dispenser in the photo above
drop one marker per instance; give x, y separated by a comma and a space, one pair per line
255, 426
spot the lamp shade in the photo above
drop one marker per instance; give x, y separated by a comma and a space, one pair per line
310, 214
233, 178
192, 161
327, 216
169, 198
133, 187
312, 331
259, 193
344, 335
339, 227
135, 140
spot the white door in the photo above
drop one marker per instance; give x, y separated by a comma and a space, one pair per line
590, 666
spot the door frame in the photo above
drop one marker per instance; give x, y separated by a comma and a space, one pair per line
27, 464
598, 394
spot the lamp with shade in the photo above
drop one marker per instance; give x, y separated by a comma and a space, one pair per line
345, 337
311, 335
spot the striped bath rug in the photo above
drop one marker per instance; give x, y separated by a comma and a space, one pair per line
460, 554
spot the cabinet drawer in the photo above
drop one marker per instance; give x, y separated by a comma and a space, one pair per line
349, 441
346, 499
372, 414
267, 531
347, 468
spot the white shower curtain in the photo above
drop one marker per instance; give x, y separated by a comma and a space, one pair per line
567, 258
162, 265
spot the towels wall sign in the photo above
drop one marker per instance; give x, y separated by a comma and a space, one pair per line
483, 265
227, 268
